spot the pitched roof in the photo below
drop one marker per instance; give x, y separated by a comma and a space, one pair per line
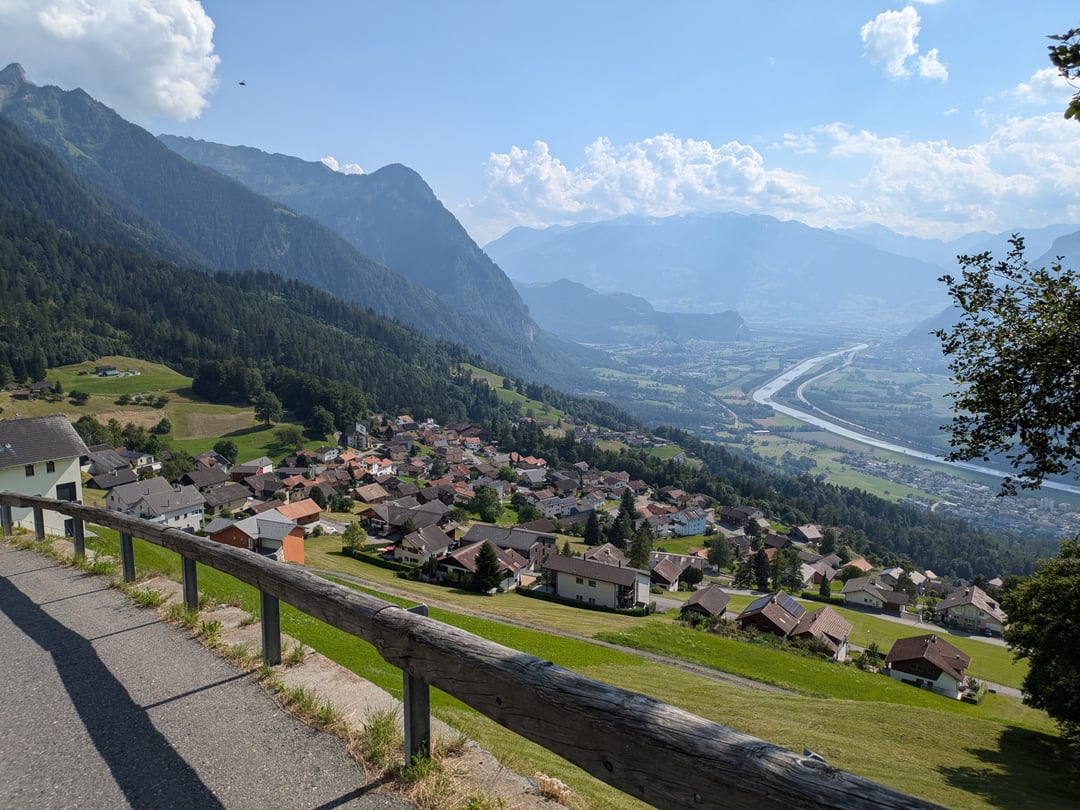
114, 478
930, 648
779, 608
608, 554
823, 623
428, 540
667, 570
41, 438
710, 599
465, 557
977, 598
520, 540
580, 567
299, 509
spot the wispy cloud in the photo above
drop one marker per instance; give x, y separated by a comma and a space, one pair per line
890, 40
143, 59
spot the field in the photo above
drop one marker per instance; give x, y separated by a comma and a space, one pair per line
997, 754
196, 424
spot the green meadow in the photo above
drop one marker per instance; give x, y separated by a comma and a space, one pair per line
998, 754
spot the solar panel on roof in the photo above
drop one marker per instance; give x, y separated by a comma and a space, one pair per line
758, 603
789, 604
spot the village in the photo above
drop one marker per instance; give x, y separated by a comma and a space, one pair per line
402, 494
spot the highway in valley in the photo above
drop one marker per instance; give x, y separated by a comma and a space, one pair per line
764, 396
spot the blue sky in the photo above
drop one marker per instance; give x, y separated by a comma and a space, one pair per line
935, 119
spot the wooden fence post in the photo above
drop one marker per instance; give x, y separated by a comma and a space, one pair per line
6, 521
271, 628
417, 703
127, 557
78, 536
189, 582
39, 523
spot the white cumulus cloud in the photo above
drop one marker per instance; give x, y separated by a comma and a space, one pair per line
1022, 174
345, 168
1046, 86
143, 59
658, 176
890, 40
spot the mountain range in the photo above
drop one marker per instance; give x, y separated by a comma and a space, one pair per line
441, 283
766, 269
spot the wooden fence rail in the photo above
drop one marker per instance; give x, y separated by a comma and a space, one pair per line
657, 753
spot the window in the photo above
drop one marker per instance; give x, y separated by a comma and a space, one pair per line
29, 470
592, 583
578, 580
50, 466
592, 601
580, 598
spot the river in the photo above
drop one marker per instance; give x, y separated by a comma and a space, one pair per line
764, 396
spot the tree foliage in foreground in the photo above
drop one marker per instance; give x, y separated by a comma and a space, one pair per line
1044, 627
1065, 56
1014, 355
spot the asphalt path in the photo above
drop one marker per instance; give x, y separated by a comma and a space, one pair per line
103, 705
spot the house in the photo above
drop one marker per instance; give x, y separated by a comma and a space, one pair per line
372, 494
971, 609
257, 466
40, 456
777, 613
740, 515
356, 437
419, 546
106, 460
304, 512
666, 574
458, 565
594, 583
205, 480
608, 554
826, 627
114, 478
268, 533
807, 533
155, 499
534, 546
226, 498
872, 593
710, 601
140, 461
688, 522
326, 454
928, 662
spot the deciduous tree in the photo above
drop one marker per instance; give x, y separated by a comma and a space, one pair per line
267, 407
1065, 56
1013, 355
1044, 627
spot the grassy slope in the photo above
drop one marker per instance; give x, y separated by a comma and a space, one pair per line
998, 754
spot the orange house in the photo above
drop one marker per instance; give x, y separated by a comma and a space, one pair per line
270, 534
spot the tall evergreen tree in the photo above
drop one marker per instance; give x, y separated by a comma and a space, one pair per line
592, 536
488, 569
641, 547
760, 566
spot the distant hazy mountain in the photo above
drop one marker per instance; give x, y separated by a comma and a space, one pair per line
193, 215
761, 267
1037, 242
575, 312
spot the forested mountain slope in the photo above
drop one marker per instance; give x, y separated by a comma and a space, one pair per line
191, 215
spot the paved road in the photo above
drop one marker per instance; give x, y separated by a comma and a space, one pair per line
105, 706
